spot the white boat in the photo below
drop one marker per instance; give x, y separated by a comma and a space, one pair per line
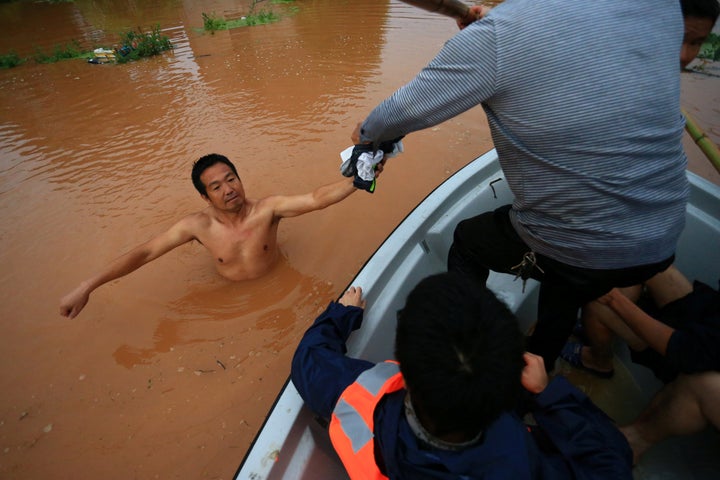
292, 444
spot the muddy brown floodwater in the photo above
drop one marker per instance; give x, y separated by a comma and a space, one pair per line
169, 372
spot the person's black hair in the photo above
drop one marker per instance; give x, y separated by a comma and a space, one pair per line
700, 9
205, 162
460, 352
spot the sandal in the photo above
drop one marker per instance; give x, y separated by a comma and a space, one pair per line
572, 354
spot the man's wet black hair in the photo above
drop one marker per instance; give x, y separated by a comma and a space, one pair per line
205, 162
700, 9
460, 352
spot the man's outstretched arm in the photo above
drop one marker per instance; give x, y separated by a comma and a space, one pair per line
73, 302
285, 206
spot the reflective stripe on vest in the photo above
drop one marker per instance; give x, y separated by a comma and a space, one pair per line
351, 425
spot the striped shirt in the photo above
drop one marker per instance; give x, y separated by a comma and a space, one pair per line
583, 102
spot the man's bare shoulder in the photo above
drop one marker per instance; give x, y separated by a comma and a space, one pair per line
195, 222
188, 228
265, 205
266, 202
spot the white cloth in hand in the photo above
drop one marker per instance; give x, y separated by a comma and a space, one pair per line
366, 164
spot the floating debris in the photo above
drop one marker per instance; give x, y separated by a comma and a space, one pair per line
103, 55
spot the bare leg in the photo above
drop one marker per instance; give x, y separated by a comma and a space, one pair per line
598, 354
682, 407
601, 324
668, 286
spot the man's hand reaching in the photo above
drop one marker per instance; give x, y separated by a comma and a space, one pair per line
72, 303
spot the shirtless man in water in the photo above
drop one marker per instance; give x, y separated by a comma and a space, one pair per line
239, 232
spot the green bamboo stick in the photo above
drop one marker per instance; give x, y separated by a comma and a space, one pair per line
701, 140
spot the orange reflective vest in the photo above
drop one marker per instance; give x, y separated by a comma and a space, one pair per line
351, 424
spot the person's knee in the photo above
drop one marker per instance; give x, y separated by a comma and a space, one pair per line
468, 241
693, 398
700, 382
705, 386
463, 230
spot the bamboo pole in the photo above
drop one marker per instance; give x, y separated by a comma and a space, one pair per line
701, 140
450, 8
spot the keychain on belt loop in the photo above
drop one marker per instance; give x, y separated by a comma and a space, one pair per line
524, 268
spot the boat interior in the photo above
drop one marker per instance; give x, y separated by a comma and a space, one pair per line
293, 444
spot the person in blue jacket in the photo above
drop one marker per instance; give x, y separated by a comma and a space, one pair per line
463, 399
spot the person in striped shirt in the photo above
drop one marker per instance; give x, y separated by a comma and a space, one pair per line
583, 103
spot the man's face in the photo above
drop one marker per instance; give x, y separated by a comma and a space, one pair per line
224, 189
696, 31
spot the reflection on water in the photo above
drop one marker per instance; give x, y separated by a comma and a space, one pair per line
269, 311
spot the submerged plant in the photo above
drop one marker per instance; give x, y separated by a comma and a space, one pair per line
262, 17
139, 44
10, 60
70, 50
134, 45
211, 23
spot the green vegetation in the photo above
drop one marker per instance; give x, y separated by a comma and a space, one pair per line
59, 52
10, 59
70, 50
137, 44
710, 50
213, 23
40, 1
260, 18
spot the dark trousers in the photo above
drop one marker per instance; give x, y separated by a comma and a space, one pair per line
489, 242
